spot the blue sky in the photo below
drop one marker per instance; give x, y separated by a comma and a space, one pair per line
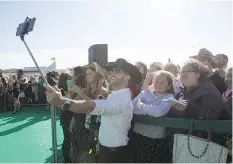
135, 30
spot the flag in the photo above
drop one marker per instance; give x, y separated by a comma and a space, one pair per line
53, 58
52, 67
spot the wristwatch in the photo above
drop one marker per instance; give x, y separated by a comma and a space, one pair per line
66, 104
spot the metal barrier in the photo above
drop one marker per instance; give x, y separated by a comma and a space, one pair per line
221, 129
54, 134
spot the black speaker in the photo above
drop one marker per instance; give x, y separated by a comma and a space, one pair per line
98, 53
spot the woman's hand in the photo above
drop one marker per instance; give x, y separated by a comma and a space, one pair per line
179, 107
140, 101
139, 104
224, 99
150, 76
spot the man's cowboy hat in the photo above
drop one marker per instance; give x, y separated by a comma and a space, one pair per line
135, 74
206, 54
97, 68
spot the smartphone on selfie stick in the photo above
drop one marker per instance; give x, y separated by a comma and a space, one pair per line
23, 29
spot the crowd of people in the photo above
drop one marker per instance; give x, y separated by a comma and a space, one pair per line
16, 90
98, 108
98, 103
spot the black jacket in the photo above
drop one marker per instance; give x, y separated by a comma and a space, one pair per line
227, 110
218, 81
202, 97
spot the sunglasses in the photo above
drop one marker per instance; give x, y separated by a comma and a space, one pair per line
187, 71
116, 70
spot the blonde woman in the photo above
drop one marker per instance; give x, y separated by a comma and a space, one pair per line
95, 78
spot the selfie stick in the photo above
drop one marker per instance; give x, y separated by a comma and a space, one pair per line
53, 111
34, 60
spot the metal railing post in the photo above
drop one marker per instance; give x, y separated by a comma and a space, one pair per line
54, 134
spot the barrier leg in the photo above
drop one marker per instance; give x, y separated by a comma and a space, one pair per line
54, 134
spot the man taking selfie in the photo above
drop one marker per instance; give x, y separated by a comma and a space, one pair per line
116, 111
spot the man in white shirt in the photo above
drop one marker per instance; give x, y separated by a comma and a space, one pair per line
116, 111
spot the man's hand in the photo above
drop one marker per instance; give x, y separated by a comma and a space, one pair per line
75, 88
54, 96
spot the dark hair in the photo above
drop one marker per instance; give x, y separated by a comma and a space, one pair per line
52, 78
78, 70
200, 68
81, 80
224, 56
20, 73
144, 68
4, 81
62, 83
14, 76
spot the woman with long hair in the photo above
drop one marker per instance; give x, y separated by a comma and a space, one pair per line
78, 131
78, 79
65, 118
95, 79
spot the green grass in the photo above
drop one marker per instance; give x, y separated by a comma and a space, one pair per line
26, 136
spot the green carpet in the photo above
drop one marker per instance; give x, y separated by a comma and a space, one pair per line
26, 136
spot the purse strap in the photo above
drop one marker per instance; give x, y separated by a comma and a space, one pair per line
209, 137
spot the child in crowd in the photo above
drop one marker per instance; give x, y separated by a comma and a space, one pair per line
149, 102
